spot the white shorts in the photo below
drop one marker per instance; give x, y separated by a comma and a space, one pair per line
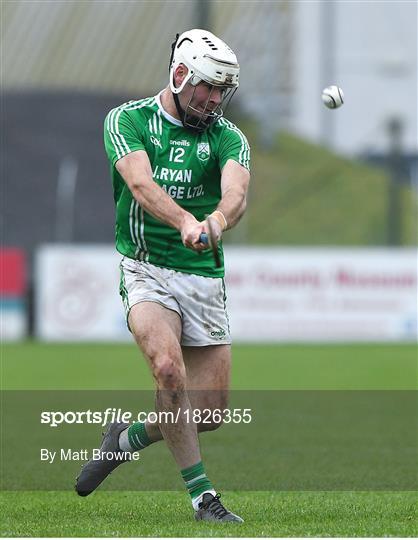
199, 300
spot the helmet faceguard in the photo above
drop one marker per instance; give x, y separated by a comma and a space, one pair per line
207, 59
200, 120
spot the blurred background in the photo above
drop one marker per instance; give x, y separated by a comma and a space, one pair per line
327, 248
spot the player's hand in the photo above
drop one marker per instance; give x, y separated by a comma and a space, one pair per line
190, 233
215, 228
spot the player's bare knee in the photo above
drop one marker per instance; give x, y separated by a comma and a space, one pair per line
169, 374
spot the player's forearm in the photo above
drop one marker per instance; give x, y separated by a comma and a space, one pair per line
159, 204
135, 169
232, 206
234, 183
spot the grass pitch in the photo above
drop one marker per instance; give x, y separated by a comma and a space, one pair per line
297, 513
105, 514
35, 366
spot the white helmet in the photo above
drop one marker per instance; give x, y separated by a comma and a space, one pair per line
208, 59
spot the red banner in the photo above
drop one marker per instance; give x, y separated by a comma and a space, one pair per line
12, 272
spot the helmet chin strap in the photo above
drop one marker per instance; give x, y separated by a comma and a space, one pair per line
185, 118
180, 111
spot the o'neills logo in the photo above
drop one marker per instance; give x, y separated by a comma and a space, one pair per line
203, 151
218, 333
180, 143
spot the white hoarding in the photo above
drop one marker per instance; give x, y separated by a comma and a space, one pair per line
322, 294
273, 294
77, 294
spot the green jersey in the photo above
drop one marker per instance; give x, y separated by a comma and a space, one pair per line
187, 165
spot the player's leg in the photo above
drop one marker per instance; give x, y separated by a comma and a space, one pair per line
207, 382
205, 342
208, 375
157, 331
207, 356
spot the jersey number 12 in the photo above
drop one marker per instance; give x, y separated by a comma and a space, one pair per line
176, 154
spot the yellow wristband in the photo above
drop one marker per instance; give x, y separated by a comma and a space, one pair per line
220, 218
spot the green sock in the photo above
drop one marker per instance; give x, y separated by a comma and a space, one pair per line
138, 436
196, 480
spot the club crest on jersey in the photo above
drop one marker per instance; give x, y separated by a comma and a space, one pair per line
203, 151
